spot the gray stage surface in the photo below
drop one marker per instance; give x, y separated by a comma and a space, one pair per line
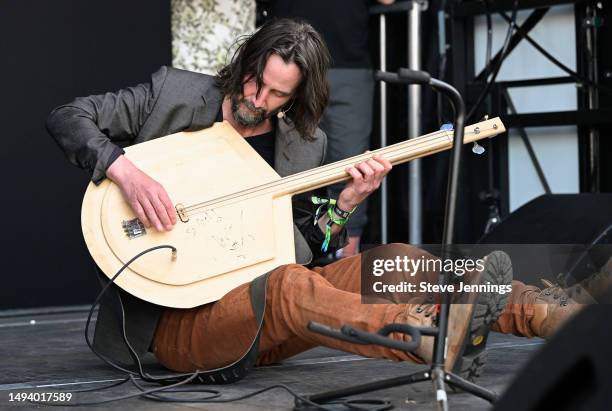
46, 352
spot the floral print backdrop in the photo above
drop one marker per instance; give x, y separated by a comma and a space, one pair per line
204, 31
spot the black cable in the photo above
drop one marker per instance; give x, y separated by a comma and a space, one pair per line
502, 56
109, 400
152, 394
106, 387
99, 297
163, 379
347, 403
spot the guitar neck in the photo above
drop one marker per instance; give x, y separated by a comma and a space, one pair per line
397, 154
336, 172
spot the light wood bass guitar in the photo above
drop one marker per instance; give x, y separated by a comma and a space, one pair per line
234, 212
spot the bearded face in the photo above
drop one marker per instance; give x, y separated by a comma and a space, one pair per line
261, 100
246, 114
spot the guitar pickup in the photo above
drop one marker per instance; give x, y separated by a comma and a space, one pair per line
133, 228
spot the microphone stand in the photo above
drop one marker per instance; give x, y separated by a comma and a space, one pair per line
436, 372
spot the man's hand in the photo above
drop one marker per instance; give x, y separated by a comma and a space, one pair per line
367, 177
146, 196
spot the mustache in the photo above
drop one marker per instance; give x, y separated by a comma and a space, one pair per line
249, 104
249, 115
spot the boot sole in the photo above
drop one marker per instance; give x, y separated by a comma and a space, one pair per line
487, 308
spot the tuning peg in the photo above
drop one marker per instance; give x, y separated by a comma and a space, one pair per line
477, 148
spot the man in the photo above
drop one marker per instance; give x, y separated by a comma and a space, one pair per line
273, 93
347, 120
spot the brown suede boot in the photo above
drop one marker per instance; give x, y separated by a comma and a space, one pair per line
591, 288
556, 305
552, 308
471, 316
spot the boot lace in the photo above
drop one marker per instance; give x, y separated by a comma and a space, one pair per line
426, 309
556, 291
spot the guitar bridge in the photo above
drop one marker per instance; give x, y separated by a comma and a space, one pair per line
180, 210
133, 228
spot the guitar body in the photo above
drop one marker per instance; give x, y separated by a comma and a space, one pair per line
234, 212
219, 245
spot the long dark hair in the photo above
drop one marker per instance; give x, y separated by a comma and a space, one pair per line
295, 42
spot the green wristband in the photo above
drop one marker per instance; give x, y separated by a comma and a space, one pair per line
335, 214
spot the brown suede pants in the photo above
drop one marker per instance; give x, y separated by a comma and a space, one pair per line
216, 334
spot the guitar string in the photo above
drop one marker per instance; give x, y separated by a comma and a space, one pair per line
306, 173
396, 150
319, 173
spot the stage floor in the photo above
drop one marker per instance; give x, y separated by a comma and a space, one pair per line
46, 352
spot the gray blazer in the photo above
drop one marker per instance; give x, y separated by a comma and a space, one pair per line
92, 131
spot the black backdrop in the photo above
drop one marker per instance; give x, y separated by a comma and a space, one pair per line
52, 51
